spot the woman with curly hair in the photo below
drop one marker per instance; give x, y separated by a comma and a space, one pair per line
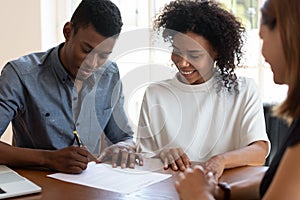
205, 113
281, 49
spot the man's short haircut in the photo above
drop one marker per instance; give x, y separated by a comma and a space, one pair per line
104, 15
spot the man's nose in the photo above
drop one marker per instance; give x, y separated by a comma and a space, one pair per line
92, 60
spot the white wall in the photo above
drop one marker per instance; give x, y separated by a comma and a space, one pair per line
20, 28
20, 32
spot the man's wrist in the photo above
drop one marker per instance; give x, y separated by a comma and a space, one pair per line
128, 144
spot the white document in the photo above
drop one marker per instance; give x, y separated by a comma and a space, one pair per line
103, 176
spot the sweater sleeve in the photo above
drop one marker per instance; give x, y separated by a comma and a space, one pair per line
147, 140
253, 124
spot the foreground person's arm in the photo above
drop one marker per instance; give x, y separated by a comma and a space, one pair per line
196, 183
285, 184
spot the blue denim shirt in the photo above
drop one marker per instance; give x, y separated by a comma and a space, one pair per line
39, 97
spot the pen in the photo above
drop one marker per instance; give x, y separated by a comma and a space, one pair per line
79, 143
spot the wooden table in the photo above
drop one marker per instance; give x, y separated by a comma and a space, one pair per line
53, 189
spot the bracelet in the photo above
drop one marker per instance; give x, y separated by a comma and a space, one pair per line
226, 188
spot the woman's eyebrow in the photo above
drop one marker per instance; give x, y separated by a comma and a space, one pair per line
196, 51
200, 50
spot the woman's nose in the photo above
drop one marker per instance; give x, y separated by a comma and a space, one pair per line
182, 62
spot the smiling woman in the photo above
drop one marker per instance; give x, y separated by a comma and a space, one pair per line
194, 57
205, 113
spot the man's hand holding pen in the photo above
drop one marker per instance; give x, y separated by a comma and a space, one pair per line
123, 154
72, 159
91, 157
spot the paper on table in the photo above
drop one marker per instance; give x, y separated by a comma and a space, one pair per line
151, 164
103, 176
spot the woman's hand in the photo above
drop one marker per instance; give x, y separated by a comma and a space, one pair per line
175, 158
215, 165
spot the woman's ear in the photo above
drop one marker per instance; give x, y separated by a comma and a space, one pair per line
67, 30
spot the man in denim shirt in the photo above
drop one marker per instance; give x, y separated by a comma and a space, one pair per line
70, 88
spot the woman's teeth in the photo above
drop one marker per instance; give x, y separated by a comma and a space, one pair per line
187, 72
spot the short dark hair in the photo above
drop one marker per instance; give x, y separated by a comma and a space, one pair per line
104, 15
208, 19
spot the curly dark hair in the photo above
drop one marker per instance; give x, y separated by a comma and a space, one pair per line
104, 15
218, 26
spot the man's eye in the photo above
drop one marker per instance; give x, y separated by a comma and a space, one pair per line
86, 51
103, 56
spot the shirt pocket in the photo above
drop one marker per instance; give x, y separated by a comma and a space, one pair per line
57, 127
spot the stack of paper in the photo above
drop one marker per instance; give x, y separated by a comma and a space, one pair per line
103, 176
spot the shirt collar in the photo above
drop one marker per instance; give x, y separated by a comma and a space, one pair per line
51, 57
58, 66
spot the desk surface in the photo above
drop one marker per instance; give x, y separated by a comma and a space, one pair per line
55, 189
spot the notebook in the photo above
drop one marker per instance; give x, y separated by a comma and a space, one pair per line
13, 184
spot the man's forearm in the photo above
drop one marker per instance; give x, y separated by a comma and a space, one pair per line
16, 156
